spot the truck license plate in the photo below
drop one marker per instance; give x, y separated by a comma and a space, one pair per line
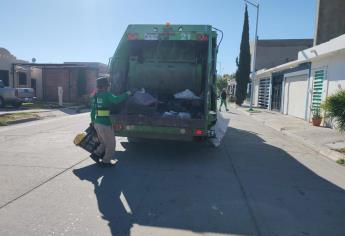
151, 36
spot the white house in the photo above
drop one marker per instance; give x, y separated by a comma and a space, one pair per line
295, 88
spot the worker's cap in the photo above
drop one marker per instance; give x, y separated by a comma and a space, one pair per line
102, 82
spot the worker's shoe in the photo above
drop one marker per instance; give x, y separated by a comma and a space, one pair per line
108, 164
96, 158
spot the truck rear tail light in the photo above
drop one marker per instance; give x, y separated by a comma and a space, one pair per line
131, 36
198, 132
118, 126
202, 37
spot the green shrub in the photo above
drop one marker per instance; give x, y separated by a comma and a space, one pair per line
341, 161
334, 106
221, 84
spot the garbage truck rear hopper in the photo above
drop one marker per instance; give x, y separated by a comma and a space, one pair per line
172, 68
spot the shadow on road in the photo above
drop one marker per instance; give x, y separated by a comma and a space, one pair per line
245, 187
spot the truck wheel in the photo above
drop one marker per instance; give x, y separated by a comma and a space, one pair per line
2, 102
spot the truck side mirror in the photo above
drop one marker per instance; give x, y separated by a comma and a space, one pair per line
2, 84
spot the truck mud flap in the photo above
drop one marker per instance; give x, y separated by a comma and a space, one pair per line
219, 130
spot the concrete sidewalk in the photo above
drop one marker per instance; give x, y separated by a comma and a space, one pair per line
320, 139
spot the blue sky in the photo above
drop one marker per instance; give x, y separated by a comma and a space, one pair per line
89, 30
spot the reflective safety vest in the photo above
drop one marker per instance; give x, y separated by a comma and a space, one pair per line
101, 104
102, 109
103, 113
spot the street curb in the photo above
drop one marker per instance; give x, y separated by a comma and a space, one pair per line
326, 152
14, 122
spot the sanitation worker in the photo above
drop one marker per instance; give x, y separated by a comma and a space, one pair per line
223, 96
100, 119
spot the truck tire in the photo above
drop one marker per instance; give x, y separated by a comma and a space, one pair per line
2, 102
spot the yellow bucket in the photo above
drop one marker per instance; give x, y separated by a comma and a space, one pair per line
77, 140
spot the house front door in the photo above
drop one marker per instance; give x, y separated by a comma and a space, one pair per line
276, 93
34, 86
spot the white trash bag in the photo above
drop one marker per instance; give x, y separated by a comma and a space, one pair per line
186, 94
219, 129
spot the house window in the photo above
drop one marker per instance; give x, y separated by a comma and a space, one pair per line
4, 77
22, 78
319, 77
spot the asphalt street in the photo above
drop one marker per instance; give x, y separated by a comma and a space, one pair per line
258, 182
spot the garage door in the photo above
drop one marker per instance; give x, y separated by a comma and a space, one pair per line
295, 95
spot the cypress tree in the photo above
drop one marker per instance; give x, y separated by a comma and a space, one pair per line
243, 63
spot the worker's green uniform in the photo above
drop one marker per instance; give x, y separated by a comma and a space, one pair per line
100, 117
101, 104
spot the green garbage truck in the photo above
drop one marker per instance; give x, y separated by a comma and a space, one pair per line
171, 70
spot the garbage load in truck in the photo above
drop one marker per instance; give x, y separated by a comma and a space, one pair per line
172, 71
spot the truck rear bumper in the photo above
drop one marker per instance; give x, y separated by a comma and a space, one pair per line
155, 136
158, 127
158, 132
26, 99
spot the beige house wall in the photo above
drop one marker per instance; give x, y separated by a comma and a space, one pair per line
6, 61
